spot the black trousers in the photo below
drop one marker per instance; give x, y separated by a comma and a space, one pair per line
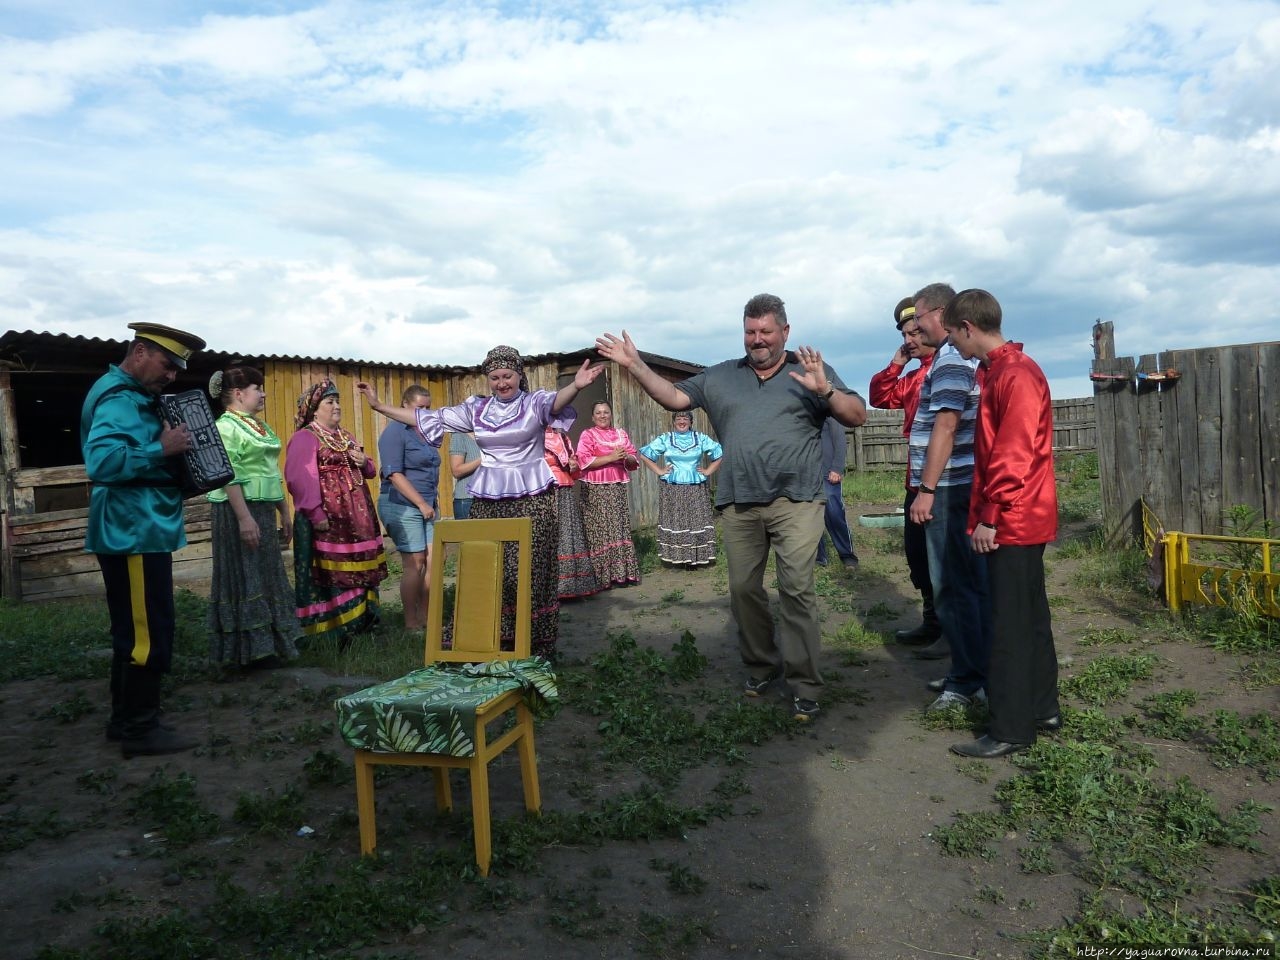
1022, 677
913, 545
140, 602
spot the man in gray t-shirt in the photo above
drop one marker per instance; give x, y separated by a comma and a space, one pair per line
464, 458
767, 408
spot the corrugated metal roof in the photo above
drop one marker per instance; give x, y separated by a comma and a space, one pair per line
13, 343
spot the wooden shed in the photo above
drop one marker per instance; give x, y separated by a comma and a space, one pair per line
44, 491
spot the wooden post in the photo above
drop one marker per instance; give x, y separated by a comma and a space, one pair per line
1104, 340
10, 461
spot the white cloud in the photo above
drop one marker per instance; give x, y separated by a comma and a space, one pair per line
414, 180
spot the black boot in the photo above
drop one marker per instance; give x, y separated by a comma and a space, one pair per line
141, 731
929, 630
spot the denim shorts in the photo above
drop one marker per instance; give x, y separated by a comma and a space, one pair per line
409, 531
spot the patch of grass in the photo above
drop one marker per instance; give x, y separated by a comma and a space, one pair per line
326, 768
1099, 637
1252, 741
172, 806
1127, 831
646, 544
1108, 678
1166, 715
53, 639
680, 879
70, 710
873, 486
1263, 671
269, 812
647, 721
666, 936
18, 827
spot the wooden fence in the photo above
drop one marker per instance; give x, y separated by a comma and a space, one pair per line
880, 445
1194, 433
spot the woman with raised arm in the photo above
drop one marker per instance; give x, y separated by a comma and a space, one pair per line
513, 479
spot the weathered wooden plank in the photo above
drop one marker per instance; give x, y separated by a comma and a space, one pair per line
1269, 430
1119, 461
1241, 454
1184, 399
1209, 437
52, 520
51, 476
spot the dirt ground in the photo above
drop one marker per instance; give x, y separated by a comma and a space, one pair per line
830, 856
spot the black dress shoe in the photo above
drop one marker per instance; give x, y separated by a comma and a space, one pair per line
1050, 724
937, 686
921, 634
156, 742
937, 650
985, 748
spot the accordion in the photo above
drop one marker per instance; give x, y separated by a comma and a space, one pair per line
205, 466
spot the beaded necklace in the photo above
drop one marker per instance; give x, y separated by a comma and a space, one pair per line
341, 443
249, 421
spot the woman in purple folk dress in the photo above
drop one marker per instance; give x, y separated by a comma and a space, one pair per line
513, 479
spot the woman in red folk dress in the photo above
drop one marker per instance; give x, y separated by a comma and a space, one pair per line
338, 561
577, 577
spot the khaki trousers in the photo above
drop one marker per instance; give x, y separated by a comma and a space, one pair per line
791, 531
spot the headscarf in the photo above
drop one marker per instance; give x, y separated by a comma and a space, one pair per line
503, 357
310, 399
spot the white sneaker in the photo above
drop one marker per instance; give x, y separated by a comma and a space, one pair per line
949, 698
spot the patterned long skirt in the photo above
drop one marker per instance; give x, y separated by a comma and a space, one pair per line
606, 514
577, 575
686, 525
541, 509
251, 614
325, 607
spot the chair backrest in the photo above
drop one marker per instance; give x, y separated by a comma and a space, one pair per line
477, 601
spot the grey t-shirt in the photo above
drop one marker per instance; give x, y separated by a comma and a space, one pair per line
464, 444
770, 430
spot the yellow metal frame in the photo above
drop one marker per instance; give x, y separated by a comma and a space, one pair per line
476, 638
1215, 584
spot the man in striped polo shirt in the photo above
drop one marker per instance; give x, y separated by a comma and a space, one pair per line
940, 454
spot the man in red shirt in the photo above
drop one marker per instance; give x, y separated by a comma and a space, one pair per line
895, 389
1013, 513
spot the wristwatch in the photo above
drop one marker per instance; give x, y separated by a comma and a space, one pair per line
827, 395
923, 489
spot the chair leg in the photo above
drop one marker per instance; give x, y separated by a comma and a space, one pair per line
365, 806
528, 760
479, 770
444, 795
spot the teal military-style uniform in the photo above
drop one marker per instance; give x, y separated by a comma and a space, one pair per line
136, 504
135, 525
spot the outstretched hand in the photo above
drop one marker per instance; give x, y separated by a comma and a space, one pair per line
587, 374
622, 351
370, 394
814, 378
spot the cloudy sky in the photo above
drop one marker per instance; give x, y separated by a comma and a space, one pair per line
417, 181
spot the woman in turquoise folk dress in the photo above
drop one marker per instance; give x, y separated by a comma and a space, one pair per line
686, 525
251, 615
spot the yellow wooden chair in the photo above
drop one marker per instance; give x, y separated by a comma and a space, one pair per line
477, 620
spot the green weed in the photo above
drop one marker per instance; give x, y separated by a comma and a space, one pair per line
1166, 715
171, 805
873, 486
1097, 637
1252, 741
1108, 678
269, 812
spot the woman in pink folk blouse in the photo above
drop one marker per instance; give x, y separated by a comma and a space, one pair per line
606, 457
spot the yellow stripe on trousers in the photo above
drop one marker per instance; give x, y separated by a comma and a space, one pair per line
138, 604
